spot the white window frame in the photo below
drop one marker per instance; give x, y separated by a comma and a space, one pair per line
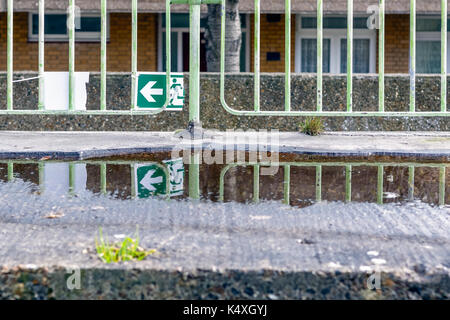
433, 36
180, 31
79, 36
335, 36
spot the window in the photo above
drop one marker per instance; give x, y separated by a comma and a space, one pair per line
428, 45
89, 27
361, 55
309, 55
180, 43
334, 45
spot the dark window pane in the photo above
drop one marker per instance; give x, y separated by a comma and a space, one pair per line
55, 24
181, 20
90, 24
430, 24
243, 21
309, 55
427, 59
361, 55
243, 55
334, 23
174, 51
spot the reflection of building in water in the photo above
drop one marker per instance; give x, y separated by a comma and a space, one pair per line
63, 177
429, 185
118, 179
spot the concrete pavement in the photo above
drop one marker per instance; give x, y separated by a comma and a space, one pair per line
85, 145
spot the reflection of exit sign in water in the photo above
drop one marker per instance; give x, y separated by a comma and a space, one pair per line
151, 91
151, 179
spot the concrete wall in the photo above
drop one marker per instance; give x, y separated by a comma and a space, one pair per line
239, 94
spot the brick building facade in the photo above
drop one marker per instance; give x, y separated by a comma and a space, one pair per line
150, 51
87, 54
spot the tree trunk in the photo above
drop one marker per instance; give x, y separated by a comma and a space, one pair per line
233, 37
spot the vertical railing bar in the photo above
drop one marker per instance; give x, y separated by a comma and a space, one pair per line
381, 41
103, 178
71, 55
411, 179
348, 183
256, 183
412, 57
10, 171
71, 178
318, 183
41, 168
41, 53
103, 55
287, 56
380, 186
222, 186
133, 191
257, 61
194, 176
442, 186
287, 183
319, 54
444, 56
349, 55
134, 28
222, 51
9, 62
168, 52
194, 63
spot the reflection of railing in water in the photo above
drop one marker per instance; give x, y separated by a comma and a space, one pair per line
195, 173
348, 177
71, 172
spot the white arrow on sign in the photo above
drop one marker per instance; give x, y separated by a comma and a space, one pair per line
148, 91
148, 181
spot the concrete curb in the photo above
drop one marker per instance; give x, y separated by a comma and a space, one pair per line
83, 146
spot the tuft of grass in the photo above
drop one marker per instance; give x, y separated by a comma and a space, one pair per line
126, 250
312, 126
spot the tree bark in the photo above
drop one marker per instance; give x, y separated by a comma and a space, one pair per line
233, 37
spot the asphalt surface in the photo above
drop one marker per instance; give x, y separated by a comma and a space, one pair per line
204, 235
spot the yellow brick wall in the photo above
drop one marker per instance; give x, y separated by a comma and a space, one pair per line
272, 40
87, 54
397, 44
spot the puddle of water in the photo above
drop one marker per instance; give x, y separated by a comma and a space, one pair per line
296, 181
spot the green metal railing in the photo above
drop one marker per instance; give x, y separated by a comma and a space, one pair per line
103, 62
319, 87
194, 66
349, 166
